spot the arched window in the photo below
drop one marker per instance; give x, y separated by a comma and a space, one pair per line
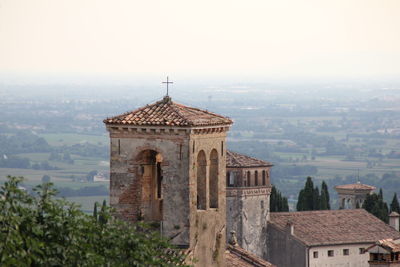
213, 179
263, 177
201, 180
248, 179
256, 178
151, 175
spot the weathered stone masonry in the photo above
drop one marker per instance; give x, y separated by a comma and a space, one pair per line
168, 166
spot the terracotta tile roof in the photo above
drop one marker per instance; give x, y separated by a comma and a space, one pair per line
390, 244
238, 257
236, 160
168, 113
330, 227
356, 186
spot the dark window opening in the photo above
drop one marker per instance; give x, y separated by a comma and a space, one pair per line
213, 179
263, 177
119, 147
256, 178
346, 252
330, 253
315, 254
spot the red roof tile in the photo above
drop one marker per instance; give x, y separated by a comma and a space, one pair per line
236, 160
356, 186
168, 113
328, 227
238, 257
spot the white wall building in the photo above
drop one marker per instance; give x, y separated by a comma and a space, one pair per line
326, 238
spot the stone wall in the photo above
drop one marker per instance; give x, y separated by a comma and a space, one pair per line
208, 237
247, 215
132, 185
284, 250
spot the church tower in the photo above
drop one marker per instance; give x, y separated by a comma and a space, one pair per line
167, 166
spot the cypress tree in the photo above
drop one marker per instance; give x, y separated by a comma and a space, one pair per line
300, 201
316, 199
309, 194
95, 211
102, 216
394, 206
325, 205
277, 201
375, 205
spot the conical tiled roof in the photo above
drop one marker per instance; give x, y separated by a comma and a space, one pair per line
168, 113
236, 160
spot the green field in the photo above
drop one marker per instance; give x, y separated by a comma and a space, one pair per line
71, 139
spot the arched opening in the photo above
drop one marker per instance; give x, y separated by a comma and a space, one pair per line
201, 180
256, 178
263, 177
150, 171
247, 181
213, 179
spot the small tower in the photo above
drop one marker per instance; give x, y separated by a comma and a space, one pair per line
167, 166
248, 189
394, 220
352, 194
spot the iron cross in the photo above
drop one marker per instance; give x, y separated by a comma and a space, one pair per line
167, 82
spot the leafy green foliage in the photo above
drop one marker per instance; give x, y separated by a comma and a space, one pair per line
43, 231
277, 202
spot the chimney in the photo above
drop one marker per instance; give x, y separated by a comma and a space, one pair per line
394, 220
290, 227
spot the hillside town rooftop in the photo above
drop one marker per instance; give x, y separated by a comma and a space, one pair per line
356, 186
168, 113
332, 227
236, 160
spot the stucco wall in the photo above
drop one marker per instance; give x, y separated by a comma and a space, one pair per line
354, 259
284, 250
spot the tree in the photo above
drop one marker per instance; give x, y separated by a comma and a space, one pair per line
325, 205
375, 205
41, 230
103, 213
46, 179
277, 202
310, 198
95, 211
307, 197
316, 199
394, 206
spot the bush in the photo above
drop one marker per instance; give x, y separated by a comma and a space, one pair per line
43, 231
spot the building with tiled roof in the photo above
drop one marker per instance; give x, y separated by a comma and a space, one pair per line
352, 196
384, 253
239, 257
236, 160
328, 237
168, 113
248, 189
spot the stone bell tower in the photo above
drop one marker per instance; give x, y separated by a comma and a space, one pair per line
167, 166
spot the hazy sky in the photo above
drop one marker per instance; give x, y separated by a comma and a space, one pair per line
278, 38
